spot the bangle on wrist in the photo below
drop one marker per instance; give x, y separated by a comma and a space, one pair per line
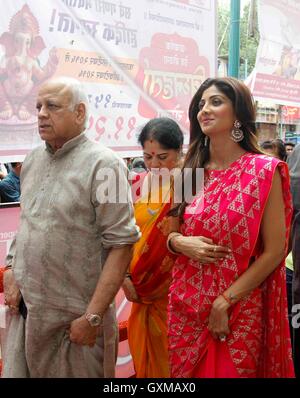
169, 244
230, 298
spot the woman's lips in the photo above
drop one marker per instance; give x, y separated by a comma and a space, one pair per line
206, 121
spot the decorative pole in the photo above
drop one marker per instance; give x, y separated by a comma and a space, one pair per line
234, 39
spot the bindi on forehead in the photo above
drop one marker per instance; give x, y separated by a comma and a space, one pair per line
151, 142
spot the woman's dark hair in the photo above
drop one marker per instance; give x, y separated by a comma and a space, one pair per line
281, 149
268, 144
277, 146
163, 130
243, 105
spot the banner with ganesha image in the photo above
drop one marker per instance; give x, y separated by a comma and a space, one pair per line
137, 60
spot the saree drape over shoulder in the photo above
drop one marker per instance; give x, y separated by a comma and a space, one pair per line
259, 342
151, 275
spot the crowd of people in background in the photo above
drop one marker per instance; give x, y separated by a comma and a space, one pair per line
206, 276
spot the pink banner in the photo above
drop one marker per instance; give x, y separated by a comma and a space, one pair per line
276, 75
276, 87
290, 114
9, 222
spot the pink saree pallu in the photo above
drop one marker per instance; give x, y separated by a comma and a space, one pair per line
230, 212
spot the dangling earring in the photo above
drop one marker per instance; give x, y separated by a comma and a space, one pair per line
206, 141
237, 134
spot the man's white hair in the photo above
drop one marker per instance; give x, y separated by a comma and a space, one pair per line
78, 95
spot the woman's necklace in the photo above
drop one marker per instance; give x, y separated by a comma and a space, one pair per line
211, 176
154, 212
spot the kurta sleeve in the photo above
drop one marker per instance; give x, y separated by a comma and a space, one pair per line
113, 206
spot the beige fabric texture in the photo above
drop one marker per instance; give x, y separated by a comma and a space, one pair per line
64, 238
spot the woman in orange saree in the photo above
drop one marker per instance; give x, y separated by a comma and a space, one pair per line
228, 314
150, 270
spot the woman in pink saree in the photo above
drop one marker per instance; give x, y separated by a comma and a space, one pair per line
227, 312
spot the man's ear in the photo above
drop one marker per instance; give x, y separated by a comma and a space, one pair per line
80, 113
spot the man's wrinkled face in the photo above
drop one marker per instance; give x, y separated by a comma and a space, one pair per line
56, 121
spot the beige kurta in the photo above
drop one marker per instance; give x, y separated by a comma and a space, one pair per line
62, 243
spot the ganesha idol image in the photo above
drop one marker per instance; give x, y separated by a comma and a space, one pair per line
20, 70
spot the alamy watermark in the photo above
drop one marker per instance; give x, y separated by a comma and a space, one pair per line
160, 186
296, 317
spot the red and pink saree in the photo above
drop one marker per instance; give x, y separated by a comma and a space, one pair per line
259, 342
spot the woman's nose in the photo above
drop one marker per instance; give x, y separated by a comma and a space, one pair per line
205, 109
155, 163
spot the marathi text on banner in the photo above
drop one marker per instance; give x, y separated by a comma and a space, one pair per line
129, 76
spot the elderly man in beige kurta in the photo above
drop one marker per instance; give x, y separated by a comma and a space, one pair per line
70, 253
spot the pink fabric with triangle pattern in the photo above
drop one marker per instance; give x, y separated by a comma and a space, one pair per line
259, 342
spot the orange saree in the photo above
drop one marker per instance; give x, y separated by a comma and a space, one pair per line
151, 275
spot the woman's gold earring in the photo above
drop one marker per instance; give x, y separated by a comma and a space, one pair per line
237, 134
206, 141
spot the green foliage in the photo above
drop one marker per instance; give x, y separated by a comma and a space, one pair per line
223, 30
249, 37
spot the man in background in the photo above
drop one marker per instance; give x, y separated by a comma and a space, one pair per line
72, 249
3, 171
289, 147
10, 185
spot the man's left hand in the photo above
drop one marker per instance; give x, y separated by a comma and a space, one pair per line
82, 333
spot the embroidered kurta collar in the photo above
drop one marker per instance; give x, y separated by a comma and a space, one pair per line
69, 145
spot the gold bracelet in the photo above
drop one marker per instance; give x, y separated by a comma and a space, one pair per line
169, 245
230, 300
226, 298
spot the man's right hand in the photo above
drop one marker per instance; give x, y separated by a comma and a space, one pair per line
12, 294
